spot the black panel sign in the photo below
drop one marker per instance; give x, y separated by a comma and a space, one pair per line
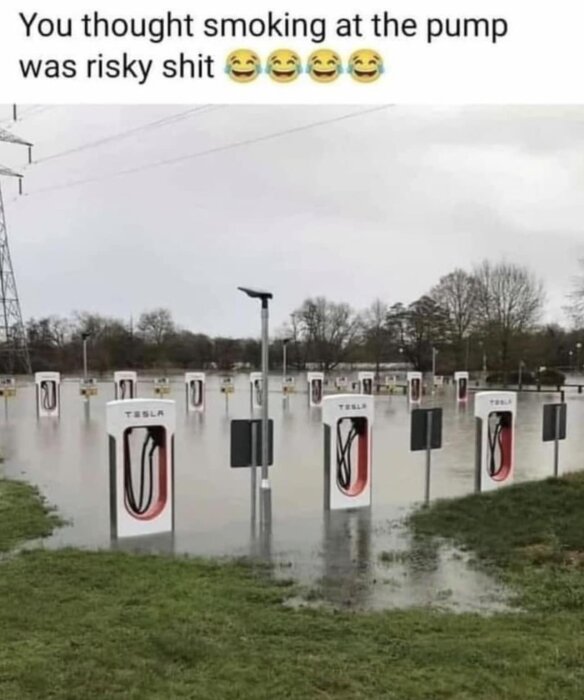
554, 421
419, 429
242, 433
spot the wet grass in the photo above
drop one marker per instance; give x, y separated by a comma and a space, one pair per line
88, 625
531, 535
23, 515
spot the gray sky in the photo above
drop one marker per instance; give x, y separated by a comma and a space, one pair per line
380, 205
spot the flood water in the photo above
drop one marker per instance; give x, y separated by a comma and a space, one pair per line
338, 556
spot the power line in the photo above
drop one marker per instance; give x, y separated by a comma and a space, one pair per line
128, 133
207, 152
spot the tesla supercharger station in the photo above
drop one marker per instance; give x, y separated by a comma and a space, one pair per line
125, 385
141, 466
48, 394
366, 380
255, 390
348, 423
315, 382
414, 380
195, 385
461, 386
495, 415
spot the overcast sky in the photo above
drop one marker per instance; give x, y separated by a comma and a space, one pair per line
378, 205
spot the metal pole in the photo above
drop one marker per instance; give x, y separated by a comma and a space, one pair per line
85, 359
557, 442
254, 474
284, 344
265, 484
428, 456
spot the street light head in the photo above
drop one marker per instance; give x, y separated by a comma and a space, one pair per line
85, 336
285, 341
256, 293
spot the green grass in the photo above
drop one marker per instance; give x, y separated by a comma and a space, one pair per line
23, 515
531, 535
87, 625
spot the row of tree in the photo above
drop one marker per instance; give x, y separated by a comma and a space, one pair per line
486, 318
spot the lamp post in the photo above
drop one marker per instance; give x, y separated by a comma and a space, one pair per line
264, 298
571, 355
285, 342
85, 337
578, 348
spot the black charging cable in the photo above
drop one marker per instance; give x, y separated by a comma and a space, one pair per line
258, 391
344, 451
495, 439
48, 395
196, 393
316, 391
152, 441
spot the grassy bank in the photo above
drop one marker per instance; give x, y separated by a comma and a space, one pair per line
531, 535
110, 625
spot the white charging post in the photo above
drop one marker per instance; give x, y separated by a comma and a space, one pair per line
366, 380
48, 394
195, 389
125, 385
315, 381
348, 423
495, 415
414, 382
256, 390
141, 466
461, 386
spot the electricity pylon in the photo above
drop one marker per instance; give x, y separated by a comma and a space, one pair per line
14, 356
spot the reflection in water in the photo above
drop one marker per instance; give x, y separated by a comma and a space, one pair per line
347, 557
68, 460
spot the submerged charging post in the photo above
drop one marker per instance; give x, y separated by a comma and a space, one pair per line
195, 385
141, 465
348, 423
125, 385
315, 382
48, 394
495, 415
461, 386
255, 391
426, 434
554, 428
366, 380
414, 381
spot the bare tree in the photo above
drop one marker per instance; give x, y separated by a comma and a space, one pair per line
575, 306
456, 294
156, 326
329, 330
419, 327
510, 300
376, 333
